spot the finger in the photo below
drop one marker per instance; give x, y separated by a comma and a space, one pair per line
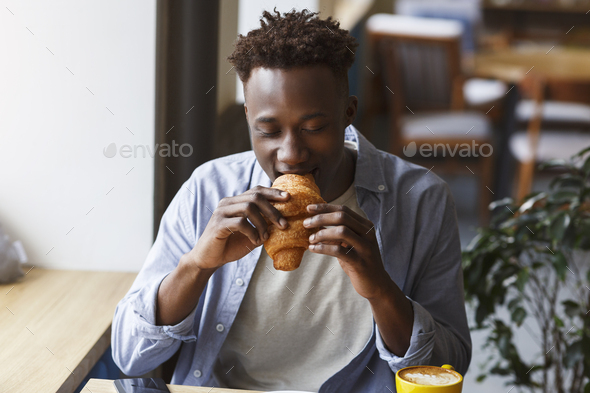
336, 243
241, 225
258, 199
347, 255
341, 235
256, 219
271, 194
262, 196
248, 210
326, 208
335, 218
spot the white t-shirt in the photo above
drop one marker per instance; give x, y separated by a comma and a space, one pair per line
294, 330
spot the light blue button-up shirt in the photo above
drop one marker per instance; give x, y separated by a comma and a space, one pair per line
416, 227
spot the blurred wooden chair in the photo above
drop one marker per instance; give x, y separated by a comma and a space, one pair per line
564, 103
554, 130
417, 67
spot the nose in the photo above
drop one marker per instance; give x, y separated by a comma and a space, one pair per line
292, 150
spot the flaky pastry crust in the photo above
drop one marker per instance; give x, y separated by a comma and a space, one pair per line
286, 247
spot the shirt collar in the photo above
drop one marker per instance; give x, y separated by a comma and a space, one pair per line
369, 169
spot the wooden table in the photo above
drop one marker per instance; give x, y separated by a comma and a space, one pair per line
511, 65
106, 386
556, 66
54, 326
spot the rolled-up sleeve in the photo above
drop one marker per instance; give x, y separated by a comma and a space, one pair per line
138, 344
143, 306
421, 342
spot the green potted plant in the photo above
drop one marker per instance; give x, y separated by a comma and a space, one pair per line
533, 260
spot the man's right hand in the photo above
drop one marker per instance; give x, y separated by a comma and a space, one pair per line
229, 235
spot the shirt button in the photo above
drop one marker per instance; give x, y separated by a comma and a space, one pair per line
239, 282
197, 373
220, 327
381, 187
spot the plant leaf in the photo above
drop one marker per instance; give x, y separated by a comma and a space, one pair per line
518, 316
581, 152
571, 308
586, 166
522, 278
560, 265
558, 321
513, 304
500, 370
563, 197
573, 354
567, 181
559, 225
531, 201
475, 242
554, 163
501, 202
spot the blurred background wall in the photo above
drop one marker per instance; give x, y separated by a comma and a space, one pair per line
74, 79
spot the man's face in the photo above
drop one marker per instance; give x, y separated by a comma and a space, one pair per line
297, 119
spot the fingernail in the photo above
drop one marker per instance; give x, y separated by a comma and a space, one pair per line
283, 193
313, 207
306, 222
283, 222
312, 237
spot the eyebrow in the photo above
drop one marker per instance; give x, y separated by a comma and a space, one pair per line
304, 117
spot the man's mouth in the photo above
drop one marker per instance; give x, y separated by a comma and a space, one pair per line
302, 172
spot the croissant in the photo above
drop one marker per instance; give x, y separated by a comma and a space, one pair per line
286, 246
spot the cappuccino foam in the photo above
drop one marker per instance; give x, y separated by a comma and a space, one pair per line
429, 376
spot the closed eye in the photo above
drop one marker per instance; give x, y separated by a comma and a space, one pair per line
314, 130
276, 133
268, 134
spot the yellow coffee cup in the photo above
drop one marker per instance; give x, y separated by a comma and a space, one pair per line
428, 379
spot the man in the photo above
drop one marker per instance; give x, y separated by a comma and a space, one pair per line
381, 286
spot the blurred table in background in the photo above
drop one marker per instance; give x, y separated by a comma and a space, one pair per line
512, 65
564, 71
107, 386
55, 325
538, 21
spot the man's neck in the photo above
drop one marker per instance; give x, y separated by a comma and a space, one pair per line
345, 176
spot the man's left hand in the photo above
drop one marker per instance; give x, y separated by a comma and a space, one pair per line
352, 240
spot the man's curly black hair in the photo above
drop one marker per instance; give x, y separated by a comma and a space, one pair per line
296, 39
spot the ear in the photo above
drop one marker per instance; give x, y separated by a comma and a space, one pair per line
351, 109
